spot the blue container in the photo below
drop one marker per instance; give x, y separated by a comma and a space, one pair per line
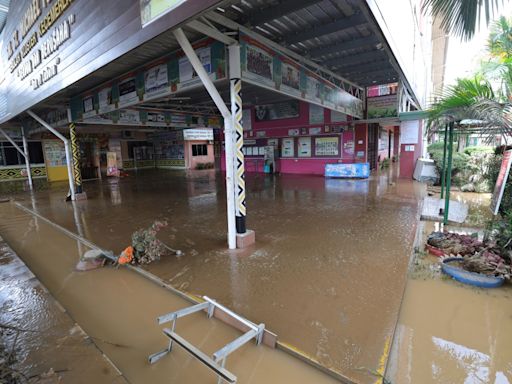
471, 278
355, 170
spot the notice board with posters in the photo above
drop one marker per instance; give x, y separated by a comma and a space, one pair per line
501, 182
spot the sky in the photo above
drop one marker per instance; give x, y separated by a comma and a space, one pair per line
463, 58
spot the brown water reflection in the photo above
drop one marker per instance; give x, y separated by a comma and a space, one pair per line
43, 338
326, 274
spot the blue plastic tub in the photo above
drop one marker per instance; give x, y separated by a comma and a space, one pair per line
471, 278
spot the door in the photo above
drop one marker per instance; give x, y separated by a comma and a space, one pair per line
373, 142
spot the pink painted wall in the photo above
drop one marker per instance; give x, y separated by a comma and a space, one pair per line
279, 129
192, 161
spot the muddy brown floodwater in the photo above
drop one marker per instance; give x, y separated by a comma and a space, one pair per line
48, 347
328, 270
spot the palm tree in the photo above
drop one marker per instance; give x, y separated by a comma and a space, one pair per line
462, 17
500, 39
475, 99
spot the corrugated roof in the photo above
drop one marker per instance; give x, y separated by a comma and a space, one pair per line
4, 9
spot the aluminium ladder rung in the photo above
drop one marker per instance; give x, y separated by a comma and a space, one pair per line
201, 356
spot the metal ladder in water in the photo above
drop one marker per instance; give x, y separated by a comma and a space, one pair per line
218, 361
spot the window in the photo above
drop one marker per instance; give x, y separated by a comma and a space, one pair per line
10, 155
199, 150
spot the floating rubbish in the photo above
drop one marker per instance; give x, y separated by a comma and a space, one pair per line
92, 259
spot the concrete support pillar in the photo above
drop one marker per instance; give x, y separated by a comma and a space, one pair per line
236, 114
228, 130
27, 158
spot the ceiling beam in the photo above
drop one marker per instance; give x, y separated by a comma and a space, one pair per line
368, 67
347, 61
379, 79
285, 7
344, 46
326, 28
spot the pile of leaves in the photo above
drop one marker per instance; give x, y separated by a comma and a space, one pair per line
147, 248
453, 243
476, 256
487, 263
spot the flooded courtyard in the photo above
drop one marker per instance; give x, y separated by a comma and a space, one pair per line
326, 274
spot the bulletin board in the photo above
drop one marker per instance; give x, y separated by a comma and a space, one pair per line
327, 146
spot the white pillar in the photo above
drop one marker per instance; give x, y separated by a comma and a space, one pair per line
69, 161
228, 130
27, 158
235, 75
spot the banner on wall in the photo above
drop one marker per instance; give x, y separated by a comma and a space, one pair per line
150, 10
171, 75
277, 111
127, 92
382, 106
129, 116
188, 75
105, 100
290, 79
156, 81
258, 64
267, 68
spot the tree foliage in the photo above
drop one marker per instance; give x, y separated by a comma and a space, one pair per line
462, 17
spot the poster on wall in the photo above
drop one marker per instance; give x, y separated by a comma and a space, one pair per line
501, 182
55, 153
259, 65
155, 81
382, 106
290, 79
127, 92
409, 132
383, 139
288, 148
277, 111
150, 10
304, 147
112, 169
188, 75
326, 146
105, 101
104, 118
246, 119
316, 114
